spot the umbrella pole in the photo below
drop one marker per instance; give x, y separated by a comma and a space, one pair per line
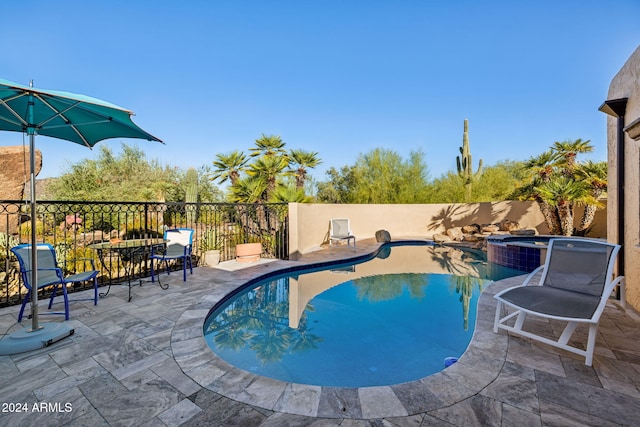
34, 248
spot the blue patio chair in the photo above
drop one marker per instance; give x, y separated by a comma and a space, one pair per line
50, 274
574, 286
178, 242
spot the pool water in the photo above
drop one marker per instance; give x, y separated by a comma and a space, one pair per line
386, 321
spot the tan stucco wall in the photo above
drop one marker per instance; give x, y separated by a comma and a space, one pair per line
309, 223
626, 84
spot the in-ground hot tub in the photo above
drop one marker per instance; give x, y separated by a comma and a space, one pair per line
525, 253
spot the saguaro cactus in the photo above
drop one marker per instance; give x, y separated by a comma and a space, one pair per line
191, 196
465, 165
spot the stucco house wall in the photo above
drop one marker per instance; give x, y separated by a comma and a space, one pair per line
626, 84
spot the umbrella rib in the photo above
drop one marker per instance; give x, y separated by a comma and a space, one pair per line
61, 115
20, 121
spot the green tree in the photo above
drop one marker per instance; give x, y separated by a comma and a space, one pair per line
264, 178
568, 150
594, 175
268, 169
496, 183
558, 183
301, 161
125, 177
563, 193
379, 176
268, 145
338, 187
539, 170
229, 167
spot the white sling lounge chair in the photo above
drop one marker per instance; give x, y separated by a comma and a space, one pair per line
576, 281
341, 230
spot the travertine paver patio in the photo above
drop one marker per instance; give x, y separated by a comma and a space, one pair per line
145, 363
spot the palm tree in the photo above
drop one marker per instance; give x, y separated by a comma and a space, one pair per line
268, 145
568, 150
303, 160
268, 168
540, 170
229, 166
248, 190
563, 193
288, 193
594, 175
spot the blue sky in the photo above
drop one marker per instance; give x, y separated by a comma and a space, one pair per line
337, 77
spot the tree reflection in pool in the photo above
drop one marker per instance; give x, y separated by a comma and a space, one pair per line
385, 321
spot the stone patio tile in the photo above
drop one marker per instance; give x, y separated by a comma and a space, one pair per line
280, 419
37, 377
161, 340
447, 389
171, 372
132, 407
620, 387
416, 397
554, 415
139, 365
380, 402
52, 389
576, 370
533, 356
512, 416
227, 412
179, 413
594, 401
261, 391
477, 410
102, 389
139, 378
299, 399
514, 391
338, 402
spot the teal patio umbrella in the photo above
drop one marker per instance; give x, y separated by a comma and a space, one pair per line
62, 115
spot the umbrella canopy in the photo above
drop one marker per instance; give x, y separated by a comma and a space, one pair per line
62, 115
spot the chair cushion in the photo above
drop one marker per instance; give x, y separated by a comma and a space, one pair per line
81, 277
553, 301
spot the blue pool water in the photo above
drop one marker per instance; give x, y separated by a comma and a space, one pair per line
382, 322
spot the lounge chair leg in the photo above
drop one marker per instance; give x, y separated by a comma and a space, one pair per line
497, 318
520, 320
26, 298
53, 295
568, 331
66, 302
591, 344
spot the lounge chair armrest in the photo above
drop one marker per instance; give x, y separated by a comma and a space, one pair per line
531, 276
57, 270
620, 281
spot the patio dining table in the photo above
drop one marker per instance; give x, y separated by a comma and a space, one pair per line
132, 253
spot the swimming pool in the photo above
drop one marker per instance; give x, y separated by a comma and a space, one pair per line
392, 319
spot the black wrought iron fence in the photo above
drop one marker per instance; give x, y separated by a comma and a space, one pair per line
72, 227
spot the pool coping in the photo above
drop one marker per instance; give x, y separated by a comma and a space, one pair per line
477, 368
